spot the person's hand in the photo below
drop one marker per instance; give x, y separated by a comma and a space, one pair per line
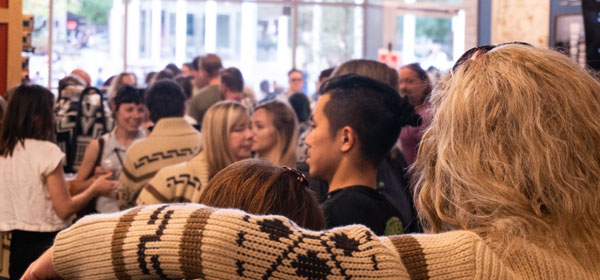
42, 268
99, 171
103, 185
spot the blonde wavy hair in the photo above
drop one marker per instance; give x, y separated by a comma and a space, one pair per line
286, 123
513, 153
217, 124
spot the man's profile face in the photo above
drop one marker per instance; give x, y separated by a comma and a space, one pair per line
296, 81
323, 153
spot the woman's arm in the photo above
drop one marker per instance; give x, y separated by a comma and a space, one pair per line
193, 241
84, 175
63, 203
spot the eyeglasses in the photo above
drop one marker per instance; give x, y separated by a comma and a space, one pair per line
481, 50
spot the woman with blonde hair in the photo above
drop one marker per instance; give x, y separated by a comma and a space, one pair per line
275, 128
512, 155
508, 187
226, 138
261, 188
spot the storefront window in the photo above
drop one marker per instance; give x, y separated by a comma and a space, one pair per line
327, 36
38, 60
262, 38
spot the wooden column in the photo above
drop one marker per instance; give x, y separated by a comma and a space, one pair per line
11, 31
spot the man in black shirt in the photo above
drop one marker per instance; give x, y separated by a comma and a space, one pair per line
356, 122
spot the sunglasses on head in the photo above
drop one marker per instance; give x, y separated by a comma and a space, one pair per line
300, 178
482, 50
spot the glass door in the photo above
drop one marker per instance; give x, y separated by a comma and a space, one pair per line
430, 34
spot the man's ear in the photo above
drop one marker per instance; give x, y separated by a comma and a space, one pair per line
347, 138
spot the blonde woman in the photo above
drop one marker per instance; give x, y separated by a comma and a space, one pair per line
226, 138
509, 176
275, 128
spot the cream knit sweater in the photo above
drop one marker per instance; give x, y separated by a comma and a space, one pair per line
193, 241
172, 141
182, 182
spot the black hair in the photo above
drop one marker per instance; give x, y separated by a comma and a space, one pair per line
416, 67
232, 79
174, 69
326, 73
127, 94
185, 82
165, 74
165, 99
149, 77
373, 109
301, 106
196, 63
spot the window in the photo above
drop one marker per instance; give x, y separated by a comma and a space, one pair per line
430, 32
264, 38
327, 36
38, 60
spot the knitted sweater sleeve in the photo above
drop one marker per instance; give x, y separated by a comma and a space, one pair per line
194, 241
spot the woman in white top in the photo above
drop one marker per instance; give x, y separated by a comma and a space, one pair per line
34, 201
106, 153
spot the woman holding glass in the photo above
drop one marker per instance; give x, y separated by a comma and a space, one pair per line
105, 153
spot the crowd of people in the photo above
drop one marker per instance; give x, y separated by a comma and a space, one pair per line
498, 164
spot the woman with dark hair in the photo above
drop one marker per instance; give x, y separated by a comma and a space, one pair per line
105, 154
414, 83
34, 201
261, 188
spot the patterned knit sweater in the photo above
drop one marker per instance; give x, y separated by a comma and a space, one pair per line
193, 241
182, 182
172, 141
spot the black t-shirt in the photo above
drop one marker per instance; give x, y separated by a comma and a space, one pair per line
361, 205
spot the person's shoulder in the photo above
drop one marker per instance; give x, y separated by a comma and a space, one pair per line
138, 145
39, 143
350, 201
173, 170
34, 145
359, 195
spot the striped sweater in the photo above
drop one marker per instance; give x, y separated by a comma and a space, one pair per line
172, 141
193, 241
